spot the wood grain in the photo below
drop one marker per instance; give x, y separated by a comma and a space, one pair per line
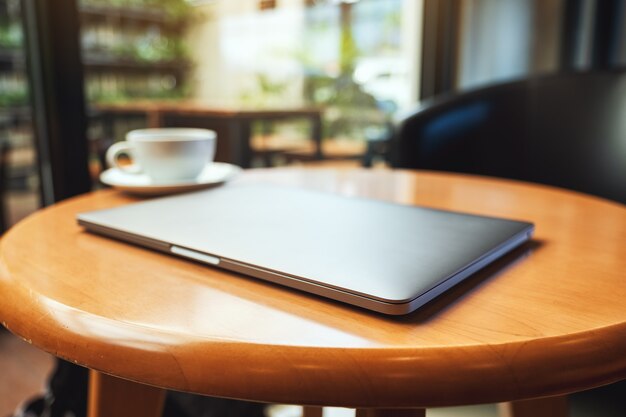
547, 319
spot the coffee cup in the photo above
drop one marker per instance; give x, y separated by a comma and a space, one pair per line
165, 154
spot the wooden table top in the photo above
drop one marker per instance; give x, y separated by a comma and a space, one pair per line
548, 319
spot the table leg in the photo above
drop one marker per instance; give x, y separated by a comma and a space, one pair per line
155, 119
316, 135
540, 407
239, 138
312, 411
110, 396
391, 412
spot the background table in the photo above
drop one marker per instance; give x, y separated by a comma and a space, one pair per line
233, 125
547, 319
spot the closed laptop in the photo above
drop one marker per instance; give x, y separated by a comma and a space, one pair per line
381, 256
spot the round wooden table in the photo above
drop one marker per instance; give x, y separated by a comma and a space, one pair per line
545, 320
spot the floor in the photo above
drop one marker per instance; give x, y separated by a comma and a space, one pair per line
20, 204
23, 371
602, 402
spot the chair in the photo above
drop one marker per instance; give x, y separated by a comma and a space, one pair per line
566, 130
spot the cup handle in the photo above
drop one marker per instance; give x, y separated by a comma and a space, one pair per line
115, 151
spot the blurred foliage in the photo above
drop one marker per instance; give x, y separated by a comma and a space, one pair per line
158, 41
267, 91
152, 48
268, 86
349, 52
122, 97
348, 109
13, 98
175, 9
150, 87
10, 35
178, 9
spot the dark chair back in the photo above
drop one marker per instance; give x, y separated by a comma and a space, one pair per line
567, 130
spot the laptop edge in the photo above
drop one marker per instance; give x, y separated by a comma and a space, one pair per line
299, 283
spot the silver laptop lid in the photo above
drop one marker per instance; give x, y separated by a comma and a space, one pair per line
380, 251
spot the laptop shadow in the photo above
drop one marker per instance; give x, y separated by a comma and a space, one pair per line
467, 287
423, 315
450, 298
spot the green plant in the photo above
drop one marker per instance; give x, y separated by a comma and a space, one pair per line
176, 9
13, 98
266, 90
349, 110
10, 35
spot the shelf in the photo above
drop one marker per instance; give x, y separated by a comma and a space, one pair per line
18, 113
128, 13
104, 62
11, 59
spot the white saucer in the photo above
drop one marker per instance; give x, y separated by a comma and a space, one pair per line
213, 174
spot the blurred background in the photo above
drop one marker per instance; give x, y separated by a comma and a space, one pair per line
280, 74
283, 82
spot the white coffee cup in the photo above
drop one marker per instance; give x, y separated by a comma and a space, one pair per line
165, 154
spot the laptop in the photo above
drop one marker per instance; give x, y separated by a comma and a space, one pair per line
381, 256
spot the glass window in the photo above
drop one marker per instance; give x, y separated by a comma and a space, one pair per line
154, 63
19, 182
